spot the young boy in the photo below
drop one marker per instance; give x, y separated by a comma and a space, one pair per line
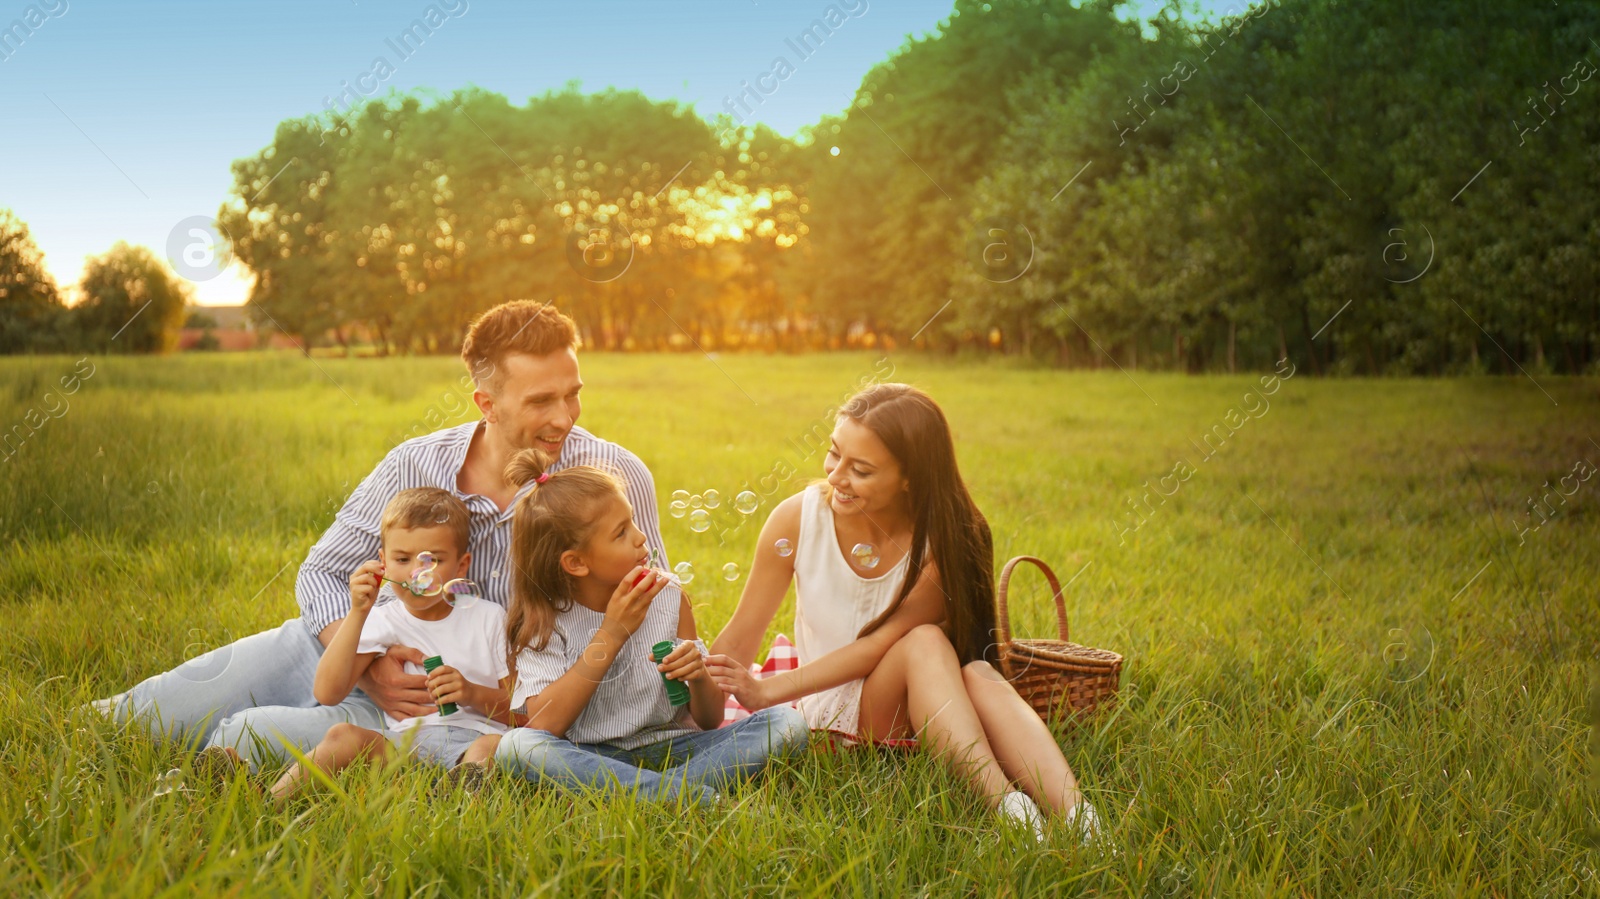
468, 637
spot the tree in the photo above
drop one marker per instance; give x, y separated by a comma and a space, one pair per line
32, 316
132, 303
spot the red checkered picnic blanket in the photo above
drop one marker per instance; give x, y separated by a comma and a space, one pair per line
784, 657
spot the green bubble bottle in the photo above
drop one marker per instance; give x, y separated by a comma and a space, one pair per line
428, 664
677, 690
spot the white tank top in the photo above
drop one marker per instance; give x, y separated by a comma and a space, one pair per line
832, 604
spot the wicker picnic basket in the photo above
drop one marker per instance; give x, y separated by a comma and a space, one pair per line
1056, 677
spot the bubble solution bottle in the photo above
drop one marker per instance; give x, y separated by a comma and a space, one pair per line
428, 664
677, 690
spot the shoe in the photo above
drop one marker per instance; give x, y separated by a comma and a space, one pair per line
217, 765
466, 777
106, 708
1018, 808
1083, 819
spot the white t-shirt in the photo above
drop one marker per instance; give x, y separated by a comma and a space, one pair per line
471, 639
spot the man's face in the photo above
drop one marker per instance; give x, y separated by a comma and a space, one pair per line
537, 402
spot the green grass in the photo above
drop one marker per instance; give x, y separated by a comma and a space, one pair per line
1326, 691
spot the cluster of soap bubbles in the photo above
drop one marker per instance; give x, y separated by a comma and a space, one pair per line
424, 581
694, 506
685, 503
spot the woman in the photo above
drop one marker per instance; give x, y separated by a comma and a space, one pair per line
893, 567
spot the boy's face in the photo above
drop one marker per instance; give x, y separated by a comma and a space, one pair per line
401, 546
616, 547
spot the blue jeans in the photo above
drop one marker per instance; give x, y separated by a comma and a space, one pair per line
712, 759
254, 695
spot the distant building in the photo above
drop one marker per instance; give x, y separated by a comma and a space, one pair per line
228, 328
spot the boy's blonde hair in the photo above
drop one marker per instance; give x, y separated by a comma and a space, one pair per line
427, 507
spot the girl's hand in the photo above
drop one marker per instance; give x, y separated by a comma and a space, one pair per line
631, 601
364, 584
448, 685
736, 680
684, 663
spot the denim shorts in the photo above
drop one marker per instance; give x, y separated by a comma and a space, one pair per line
438, 744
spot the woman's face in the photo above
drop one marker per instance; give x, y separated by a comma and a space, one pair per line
865, 476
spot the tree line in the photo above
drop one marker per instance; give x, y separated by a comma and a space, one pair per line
1372, 186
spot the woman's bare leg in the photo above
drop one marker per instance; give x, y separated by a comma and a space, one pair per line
344, 744
919, 688
1024, 747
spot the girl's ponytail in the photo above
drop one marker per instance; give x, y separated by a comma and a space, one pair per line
527, 465
554, 517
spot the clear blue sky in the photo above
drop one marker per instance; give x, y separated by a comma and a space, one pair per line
122, 117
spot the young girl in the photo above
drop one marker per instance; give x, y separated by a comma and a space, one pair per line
894, 611
586, 611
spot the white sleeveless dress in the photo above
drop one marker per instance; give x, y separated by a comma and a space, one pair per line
832, 604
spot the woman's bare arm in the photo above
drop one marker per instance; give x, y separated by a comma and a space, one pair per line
924, 605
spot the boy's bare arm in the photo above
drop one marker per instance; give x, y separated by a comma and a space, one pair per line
341, 666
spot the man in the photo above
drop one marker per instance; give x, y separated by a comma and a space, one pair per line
255, 695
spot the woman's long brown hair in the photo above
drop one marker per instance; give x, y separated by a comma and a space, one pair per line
550, 519
945, 520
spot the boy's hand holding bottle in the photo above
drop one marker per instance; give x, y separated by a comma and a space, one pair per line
450, 686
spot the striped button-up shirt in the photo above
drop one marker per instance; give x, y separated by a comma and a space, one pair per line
434, 460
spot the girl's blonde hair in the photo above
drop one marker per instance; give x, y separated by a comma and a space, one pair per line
557, 515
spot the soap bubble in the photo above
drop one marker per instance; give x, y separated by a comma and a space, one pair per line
697, 501
423, 577
713, 499
699, 521
746, 502
171, 782
865, 554
680, 496
784, 547
424, 581
678, 508
684, 571
455, 589
730, 571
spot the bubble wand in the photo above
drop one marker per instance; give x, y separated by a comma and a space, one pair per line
423, 582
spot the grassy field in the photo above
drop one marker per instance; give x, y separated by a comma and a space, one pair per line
1353, 665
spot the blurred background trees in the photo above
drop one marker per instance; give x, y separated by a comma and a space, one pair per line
1374, 187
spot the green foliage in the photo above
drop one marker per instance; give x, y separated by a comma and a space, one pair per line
1312, 161
132, 303
1370, 685
1372, 187
32, 316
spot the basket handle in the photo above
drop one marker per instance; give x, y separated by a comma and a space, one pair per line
1055, 589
